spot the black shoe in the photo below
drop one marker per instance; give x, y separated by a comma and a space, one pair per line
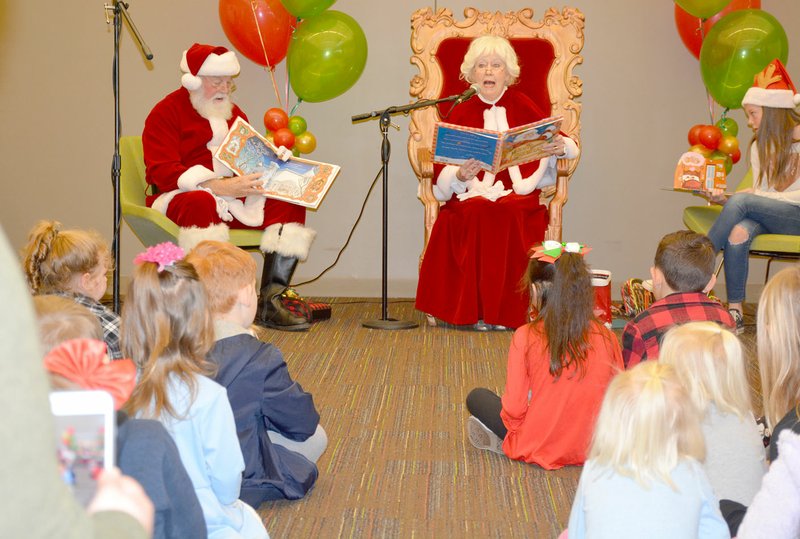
273, 314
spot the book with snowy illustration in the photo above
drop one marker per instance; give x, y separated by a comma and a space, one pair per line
297, 180
495, 150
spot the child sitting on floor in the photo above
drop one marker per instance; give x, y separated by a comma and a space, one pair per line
75, 358
277, 422
644, 477
74, 264
710, 364
167, 330
559, 366
683, 273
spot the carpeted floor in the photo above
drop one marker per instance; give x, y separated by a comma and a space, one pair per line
398, 462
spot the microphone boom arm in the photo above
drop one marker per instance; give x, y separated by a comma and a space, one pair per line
404, 109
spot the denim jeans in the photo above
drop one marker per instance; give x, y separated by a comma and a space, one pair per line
757, 215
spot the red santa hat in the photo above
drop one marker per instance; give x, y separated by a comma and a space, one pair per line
772, 88
206, 61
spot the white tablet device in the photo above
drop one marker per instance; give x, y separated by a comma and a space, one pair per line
85, 431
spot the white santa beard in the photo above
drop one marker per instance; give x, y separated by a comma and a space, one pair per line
212, 108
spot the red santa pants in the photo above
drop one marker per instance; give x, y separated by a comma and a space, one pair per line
199, 208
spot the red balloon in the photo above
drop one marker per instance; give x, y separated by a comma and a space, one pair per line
283, 137
736, 155
275, 119
689, 26
710, 135
241, 26
694, 134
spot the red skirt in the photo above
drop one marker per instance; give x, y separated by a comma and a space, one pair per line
476, 257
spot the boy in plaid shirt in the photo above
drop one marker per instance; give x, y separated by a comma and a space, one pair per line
683, 273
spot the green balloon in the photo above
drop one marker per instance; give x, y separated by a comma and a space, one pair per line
728, 126
327, 55
306, 8
297, 125
701, 8
737, 47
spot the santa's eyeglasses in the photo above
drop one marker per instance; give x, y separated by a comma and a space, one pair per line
221, 82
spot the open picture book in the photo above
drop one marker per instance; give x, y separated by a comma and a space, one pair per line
297, 180
496, 151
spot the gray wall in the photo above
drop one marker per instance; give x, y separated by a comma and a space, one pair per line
642, 91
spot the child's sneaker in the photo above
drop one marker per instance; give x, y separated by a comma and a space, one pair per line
481, 437
739, 319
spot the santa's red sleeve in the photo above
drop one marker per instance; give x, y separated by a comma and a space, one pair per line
175, 142
161, 141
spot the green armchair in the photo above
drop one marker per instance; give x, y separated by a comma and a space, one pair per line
149, 225
771, 246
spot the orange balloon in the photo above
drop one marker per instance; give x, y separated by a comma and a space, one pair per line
728, 144
275, 118
255, 27
306, 142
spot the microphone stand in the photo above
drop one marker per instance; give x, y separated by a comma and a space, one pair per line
120, 11
384, 122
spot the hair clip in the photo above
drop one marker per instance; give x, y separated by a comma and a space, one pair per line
86, 362
550, 250
164, 254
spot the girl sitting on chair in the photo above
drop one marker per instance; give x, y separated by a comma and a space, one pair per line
772, 206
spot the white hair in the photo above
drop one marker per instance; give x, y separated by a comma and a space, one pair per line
484, 45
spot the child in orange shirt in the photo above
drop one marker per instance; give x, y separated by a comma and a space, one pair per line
559, 366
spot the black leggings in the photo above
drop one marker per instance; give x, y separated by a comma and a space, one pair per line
485, 405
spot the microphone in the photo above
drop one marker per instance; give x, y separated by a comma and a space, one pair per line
469, 92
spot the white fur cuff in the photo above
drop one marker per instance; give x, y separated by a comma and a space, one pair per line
189, 237
447, 184
194, 176
290, 239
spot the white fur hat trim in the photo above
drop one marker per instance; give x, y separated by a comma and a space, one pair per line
215, 63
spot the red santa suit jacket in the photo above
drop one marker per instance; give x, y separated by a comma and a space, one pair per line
178, 147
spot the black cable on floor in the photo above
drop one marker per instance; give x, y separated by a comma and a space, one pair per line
349, 236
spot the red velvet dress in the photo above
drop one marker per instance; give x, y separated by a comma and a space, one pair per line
477, 252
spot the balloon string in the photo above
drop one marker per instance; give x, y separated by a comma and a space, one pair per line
710, 106
286, 87
294, 108
266, 58
708, 94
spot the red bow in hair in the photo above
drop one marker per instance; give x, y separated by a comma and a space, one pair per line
86, 363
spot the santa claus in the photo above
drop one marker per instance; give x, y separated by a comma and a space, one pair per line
201, 195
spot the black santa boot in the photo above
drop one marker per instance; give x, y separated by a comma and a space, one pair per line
283, 246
